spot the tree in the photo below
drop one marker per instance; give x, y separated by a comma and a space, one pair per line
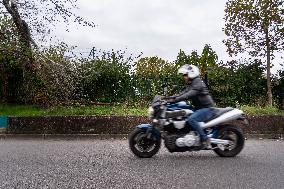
256, 27
278, 88
151, 66
152, 75
208, 57
24, 14
25, 18
56, 83
10, 61
231, 83
182, 58
208, 60
106, 77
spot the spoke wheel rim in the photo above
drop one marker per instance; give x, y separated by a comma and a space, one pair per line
231, 137
143, 144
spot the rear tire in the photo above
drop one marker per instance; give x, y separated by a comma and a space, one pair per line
141, 146
235, 135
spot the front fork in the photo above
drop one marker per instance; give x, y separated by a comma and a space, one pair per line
150, 131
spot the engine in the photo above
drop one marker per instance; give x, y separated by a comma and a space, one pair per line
182, 143
188, 140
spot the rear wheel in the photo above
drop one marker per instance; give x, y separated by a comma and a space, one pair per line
143, 146
236, 138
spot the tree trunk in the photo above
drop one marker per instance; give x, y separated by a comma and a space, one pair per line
22, 27
268, 50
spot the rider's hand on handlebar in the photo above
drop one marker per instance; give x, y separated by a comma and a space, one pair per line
170, 99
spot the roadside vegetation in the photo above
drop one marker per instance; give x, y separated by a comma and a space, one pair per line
23, 110
106, 110
60, 82
268, 110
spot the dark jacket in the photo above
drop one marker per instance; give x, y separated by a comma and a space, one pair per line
198, 93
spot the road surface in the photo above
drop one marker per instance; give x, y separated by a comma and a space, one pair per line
34, 163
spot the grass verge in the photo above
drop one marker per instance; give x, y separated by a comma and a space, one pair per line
254, 110
23, 110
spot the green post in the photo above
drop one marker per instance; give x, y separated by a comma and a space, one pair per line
3, 122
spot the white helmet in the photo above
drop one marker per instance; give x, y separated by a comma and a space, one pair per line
191, 70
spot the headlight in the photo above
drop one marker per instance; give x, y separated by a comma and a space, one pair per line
151, 112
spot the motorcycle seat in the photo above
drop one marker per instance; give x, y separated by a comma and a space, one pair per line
218, 112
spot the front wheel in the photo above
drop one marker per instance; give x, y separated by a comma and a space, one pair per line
143, 146
236, 138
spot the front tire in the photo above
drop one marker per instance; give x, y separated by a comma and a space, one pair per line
141, 145
233, 134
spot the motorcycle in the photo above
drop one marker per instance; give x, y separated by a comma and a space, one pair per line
169, 123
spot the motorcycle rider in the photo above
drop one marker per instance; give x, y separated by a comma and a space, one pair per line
198, 93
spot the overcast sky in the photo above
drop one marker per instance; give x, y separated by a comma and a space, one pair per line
154, 27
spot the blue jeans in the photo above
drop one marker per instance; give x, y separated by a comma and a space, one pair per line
200, 115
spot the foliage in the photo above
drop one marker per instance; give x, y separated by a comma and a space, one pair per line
250, 83
207, 60
231, 83
114, 77
21, 110
278, 89
57, 75
53, 12
249, 21
182, 58
257, 28
49, 82
106, 78
34, 79
11, 69
9, 36
152, 76
17, 81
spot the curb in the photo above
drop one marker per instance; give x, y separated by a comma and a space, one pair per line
115, 127
263, 136
65, 136
106, 136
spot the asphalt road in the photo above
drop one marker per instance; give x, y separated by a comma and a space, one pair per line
109, 164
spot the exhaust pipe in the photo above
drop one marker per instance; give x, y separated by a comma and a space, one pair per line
219, 141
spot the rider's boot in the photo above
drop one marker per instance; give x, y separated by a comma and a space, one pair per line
205, 143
